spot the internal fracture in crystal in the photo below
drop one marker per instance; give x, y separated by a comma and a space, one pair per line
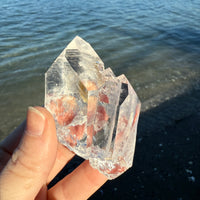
96, 113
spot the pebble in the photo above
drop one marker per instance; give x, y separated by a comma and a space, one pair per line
101, 191
169, 174
188, 171
139, 140
191, 179
190, 162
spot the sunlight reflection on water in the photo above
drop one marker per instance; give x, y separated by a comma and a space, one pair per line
156, 44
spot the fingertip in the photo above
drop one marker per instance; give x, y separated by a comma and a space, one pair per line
35, 122
49, 126
44, 112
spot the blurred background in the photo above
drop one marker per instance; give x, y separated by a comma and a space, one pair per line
156, 44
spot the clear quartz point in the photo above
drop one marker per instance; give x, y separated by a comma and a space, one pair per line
96, 113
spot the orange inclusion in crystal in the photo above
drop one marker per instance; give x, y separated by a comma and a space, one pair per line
103, 98
90, 85
101, 114
137, 112
77, 131
116, 170
64, 115
122, 122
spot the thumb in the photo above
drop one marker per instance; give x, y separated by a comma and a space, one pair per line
28, 169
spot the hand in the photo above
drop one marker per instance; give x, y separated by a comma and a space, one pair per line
30, 158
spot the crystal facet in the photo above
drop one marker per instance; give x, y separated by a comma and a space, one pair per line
96, 113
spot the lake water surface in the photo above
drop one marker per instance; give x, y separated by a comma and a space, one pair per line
156, 44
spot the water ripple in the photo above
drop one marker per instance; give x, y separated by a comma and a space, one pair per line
155, 43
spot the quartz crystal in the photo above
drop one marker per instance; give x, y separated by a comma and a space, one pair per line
96, 113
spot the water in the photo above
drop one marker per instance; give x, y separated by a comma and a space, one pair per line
156, 44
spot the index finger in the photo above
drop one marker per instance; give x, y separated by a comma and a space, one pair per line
80, 184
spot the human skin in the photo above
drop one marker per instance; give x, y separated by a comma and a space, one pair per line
31, 156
